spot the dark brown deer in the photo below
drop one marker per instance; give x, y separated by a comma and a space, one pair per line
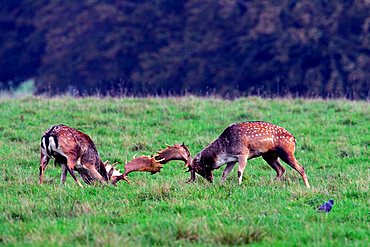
74, 150
139, 164
240, 142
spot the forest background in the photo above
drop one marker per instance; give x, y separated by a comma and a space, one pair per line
309, 48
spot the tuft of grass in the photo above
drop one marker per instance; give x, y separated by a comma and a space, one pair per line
162, 209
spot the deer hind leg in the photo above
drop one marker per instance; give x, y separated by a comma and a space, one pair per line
44, 160
228, 169
273, 160
242, 160
291, 160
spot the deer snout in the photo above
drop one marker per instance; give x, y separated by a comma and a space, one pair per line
210, 177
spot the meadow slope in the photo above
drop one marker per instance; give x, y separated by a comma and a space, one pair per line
332, 144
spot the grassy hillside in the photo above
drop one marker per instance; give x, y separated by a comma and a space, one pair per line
332, 137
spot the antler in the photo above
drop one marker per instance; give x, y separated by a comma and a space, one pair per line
159, 161
140, 164
106, 163
154, 163
175, 152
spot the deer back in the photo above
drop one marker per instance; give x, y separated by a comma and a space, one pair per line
254, 138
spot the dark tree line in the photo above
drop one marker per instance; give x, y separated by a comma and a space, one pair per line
228, 47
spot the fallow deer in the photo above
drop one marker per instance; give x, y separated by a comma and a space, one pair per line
139, 164
240, 142
74, 150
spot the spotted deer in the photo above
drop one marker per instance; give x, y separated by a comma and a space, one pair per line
75, 151
240, 142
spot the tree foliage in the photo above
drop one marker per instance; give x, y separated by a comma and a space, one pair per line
228, 47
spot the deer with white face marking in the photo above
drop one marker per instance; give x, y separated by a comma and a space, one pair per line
74, 150
243, 141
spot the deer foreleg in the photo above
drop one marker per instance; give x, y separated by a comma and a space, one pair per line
242, 160
70, 169
228, 169
192, 177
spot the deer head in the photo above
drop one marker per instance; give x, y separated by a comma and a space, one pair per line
202, 166
181, 152
112, 171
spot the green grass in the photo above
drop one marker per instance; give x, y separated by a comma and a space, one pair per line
333, 145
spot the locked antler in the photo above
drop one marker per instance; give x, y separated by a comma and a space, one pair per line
175, 152
140, 164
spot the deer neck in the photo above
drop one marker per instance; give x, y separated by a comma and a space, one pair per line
219, 153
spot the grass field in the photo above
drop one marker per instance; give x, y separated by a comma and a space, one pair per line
332, 144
